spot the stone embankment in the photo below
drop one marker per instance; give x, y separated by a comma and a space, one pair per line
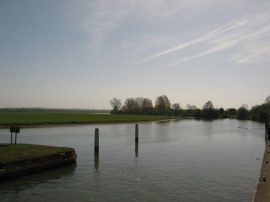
262, 193
29, 166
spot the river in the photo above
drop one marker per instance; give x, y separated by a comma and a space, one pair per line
183, 160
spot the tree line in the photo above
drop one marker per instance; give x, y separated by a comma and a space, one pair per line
163, 106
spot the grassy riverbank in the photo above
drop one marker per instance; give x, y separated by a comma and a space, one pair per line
42, 118
23, 152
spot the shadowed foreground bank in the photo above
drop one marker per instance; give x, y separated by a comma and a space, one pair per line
23, 159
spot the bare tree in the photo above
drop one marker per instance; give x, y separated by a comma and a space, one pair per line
147, 106
162, 105
267, 100
146, 103
176, 109
131, 106
116, 104
139, 101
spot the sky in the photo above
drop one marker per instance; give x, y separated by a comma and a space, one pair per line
81, 54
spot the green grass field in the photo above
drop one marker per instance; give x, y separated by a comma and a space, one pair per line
41, 118
21, 152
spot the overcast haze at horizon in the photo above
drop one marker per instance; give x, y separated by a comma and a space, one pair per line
81, 54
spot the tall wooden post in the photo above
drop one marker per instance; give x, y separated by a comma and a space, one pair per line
11, 135
136, 140
136, 133
96, 140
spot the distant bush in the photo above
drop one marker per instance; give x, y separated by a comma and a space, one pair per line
242, 113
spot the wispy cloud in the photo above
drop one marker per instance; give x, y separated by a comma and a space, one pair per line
100, 18
260, 55
255, 49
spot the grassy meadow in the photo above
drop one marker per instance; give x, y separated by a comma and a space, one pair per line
42, 118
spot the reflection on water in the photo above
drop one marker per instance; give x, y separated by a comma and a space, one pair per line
180, 160
136, 149
27, 182
96, 160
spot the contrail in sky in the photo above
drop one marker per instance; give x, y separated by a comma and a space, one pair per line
223, 44
201, 39
210, 51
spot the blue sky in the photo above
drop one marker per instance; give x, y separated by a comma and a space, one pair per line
81, 54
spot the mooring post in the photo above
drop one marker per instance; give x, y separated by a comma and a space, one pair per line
96, 140
136, 140
136, 133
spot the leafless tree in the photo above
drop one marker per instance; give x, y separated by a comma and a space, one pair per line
116, 104
162, 105
267, 100
131, 106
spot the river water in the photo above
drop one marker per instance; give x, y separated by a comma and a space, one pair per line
185, 160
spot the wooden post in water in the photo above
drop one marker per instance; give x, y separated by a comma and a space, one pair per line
96, 141
136, 134
136, 140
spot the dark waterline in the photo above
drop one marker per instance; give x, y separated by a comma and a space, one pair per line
184, 160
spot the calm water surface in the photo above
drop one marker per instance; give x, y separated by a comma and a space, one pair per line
184, 160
